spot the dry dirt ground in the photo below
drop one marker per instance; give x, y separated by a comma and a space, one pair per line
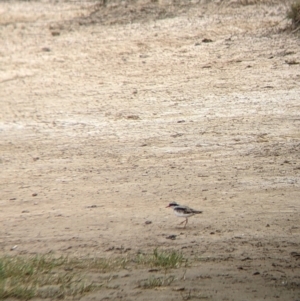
109, 113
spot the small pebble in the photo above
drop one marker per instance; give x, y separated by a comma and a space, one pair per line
173, 237
55, 33
179, 289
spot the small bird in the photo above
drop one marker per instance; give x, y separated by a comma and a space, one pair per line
183, 211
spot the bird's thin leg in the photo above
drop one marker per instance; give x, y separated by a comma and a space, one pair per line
186, 221
182, 222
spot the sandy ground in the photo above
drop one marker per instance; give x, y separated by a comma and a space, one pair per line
107, 117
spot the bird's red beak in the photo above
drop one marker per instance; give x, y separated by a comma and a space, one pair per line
168, 206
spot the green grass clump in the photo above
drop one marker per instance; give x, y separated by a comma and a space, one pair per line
43, 276
153, 282
47, 276
294, 13
103, 265
164, 259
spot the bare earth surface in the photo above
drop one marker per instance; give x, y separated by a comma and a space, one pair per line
108, 114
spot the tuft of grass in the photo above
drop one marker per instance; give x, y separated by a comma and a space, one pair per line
153, 282
164, 259
294, 14
103, 265
46, 276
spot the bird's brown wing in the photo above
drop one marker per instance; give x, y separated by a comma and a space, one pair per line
187, 210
